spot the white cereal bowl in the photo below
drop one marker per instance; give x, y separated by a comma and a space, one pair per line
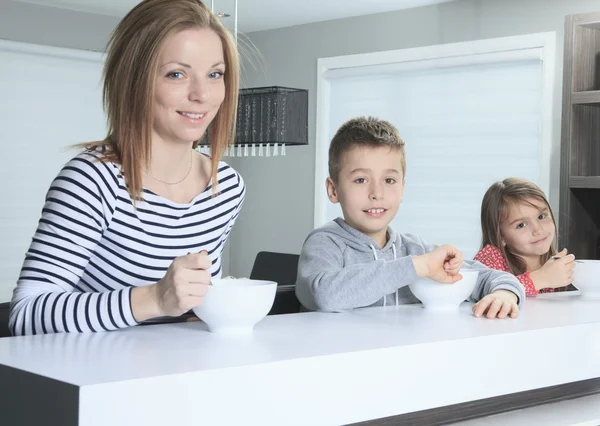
586, 277
436, 296
235, 306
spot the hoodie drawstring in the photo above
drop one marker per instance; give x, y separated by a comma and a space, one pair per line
377, 258
394, 250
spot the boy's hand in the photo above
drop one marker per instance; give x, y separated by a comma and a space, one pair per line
441, 265
499, 303
453, 265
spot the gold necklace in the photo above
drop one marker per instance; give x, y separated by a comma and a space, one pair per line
179, 181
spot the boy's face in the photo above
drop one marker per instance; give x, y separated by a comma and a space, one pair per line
370, 187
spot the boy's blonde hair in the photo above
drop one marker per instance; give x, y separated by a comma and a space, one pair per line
495, 208
363, 131
129, 78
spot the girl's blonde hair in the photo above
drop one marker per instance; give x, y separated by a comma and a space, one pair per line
495, 207
129, 78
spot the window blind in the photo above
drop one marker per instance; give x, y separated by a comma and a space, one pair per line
51, 99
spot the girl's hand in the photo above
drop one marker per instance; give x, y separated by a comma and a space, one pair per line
499, 303
555, 272
441, 265
182, 288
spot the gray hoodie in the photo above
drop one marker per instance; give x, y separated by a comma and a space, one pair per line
341, 268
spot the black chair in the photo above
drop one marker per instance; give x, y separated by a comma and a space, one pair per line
4, 311
281, 268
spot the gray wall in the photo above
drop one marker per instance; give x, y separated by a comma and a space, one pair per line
278, 213
51, 26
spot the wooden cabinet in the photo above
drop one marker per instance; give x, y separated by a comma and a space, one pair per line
579, 217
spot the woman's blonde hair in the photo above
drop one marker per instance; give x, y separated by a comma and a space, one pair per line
495, 208
129, 78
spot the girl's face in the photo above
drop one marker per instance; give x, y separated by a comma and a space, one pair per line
528, 230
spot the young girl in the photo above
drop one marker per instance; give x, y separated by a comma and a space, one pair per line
519, 236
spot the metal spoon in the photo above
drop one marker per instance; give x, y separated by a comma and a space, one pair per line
559, 257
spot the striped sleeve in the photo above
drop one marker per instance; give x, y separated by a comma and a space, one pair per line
241, 188
50, 296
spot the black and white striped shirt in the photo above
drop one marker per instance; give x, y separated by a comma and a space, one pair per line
92, 246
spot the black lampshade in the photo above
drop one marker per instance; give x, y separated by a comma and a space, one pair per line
272, 115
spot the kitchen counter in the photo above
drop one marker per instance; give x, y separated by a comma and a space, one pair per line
308, 368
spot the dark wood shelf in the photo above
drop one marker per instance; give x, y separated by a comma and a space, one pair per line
589, 182
579, 215
590, 97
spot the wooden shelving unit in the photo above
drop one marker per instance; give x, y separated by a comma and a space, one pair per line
591, 182
588, 97
579, 216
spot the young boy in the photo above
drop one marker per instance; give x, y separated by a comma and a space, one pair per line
359, 260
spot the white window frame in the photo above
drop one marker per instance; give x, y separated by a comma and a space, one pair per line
462, 51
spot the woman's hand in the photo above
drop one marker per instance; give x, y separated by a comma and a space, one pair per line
182, 288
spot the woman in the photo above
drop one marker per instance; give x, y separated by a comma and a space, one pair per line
134, 227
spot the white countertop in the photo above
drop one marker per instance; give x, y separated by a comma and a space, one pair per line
325, 368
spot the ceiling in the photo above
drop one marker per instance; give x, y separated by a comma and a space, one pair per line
258, 15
